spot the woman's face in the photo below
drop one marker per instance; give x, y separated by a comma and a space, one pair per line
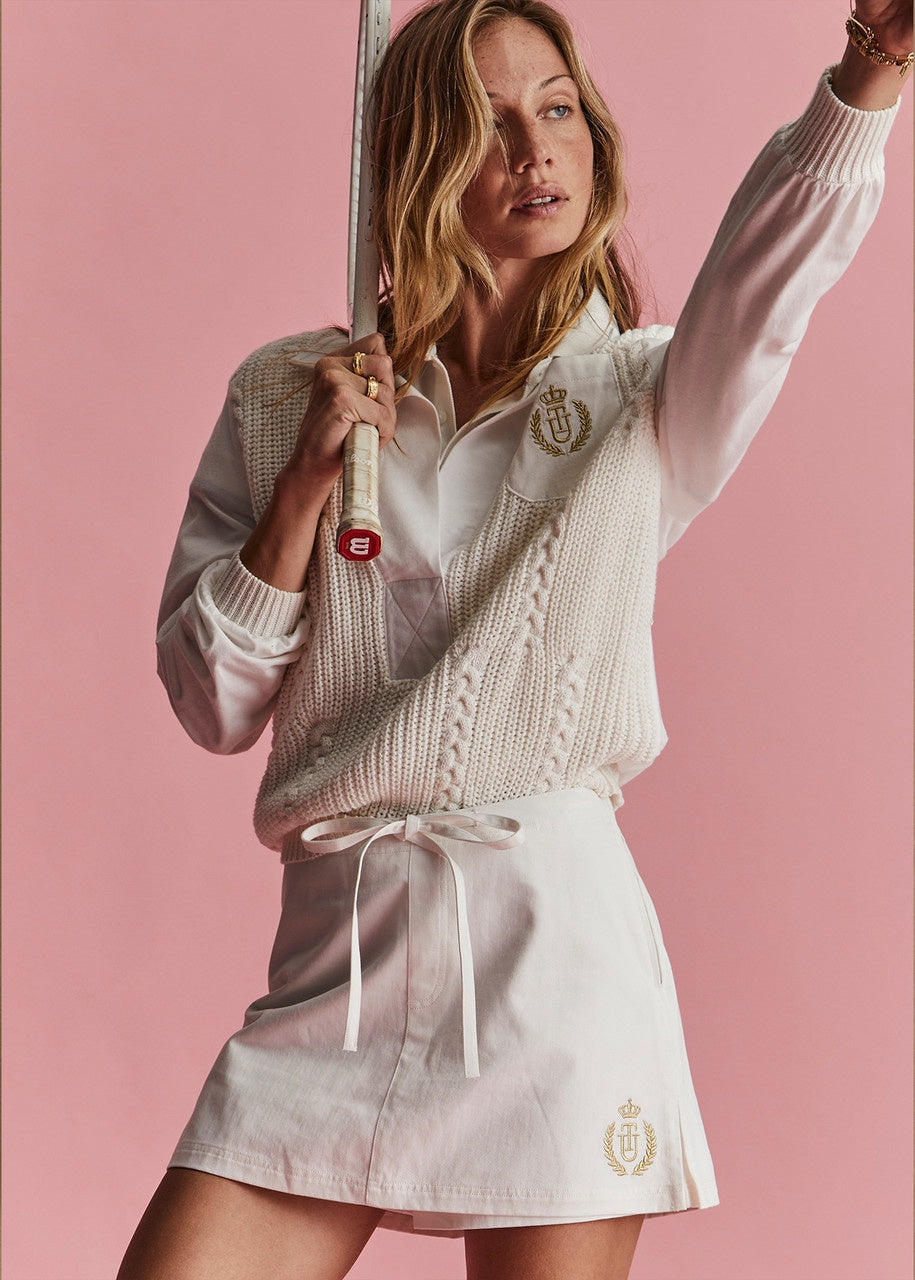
538, 203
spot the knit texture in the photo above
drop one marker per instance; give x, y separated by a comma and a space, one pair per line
261, 609
837, 143
548, 682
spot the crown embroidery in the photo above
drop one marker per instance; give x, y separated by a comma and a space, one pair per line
559, 421
627, 1145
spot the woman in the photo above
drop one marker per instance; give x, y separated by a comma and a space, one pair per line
491, 1045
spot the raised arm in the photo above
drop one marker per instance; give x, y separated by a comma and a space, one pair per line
790, 231
788, 234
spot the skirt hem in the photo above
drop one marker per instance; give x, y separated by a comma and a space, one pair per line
440, 1210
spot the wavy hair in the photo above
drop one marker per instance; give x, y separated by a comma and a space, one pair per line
432, 130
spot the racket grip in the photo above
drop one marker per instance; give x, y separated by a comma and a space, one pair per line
359, 530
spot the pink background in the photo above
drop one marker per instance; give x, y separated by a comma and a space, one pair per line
175, 195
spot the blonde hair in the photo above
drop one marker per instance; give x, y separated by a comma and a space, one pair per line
432, 128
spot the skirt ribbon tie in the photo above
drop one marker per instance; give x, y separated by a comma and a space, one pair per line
337, 835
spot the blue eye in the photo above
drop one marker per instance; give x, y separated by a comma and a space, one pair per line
561, 107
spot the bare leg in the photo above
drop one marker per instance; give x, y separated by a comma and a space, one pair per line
201, 1227
573, 1251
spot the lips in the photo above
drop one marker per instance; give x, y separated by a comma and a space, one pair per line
542, 197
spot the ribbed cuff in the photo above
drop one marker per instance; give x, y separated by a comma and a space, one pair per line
835, 142
259, 608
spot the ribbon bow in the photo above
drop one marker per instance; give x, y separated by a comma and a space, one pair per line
426, 830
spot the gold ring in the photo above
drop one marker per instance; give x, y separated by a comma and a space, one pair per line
372, 388
357, 364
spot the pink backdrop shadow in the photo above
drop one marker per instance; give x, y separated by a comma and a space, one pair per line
175, 195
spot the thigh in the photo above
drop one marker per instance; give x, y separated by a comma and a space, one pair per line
202, 1227
586, 1250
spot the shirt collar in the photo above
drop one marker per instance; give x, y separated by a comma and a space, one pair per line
590, 333
591, 330
586, 337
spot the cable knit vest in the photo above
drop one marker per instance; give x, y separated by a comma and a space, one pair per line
548, 682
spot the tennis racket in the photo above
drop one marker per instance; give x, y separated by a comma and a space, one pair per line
359, 530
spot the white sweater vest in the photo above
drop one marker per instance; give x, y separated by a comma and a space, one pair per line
548, 682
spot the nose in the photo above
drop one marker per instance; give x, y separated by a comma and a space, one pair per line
528, 147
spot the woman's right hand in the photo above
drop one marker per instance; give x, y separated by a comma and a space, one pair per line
280, 546
338, 401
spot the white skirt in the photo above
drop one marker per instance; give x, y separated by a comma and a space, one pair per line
583, 1107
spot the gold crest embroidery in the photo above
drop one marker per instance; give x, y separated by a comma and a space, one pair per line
627, 1142
560, 423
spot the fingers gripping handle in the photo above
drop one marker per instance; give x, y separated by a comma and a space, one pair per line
359, 530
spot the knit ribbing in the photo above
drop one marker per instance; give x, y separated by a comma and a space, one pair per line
548, 682
837, 143
255, 605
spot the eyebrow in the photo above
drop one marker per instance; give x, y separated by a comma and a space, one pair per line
544, 84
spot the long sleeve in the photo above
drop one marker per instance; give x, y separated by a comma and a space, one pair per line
224, 637
790, 231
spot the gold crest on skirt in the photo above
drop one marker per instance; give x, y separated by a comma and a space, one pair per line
630, 1145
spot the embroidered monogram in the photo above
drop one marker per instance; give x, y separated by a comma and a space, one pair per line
627, 1142
560, 423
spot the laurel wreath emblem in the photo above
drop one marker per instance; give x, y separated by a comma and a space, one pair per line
584, 417
548, 446
610, 1153
651, 1150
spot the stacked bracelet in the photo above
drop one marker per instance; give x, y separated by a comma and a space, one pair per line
865, 41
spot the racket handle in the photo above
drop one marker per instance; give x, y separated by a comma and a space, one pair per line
359, 530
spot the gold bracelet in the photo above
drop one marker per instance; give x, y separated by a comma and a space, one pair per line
865, 42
